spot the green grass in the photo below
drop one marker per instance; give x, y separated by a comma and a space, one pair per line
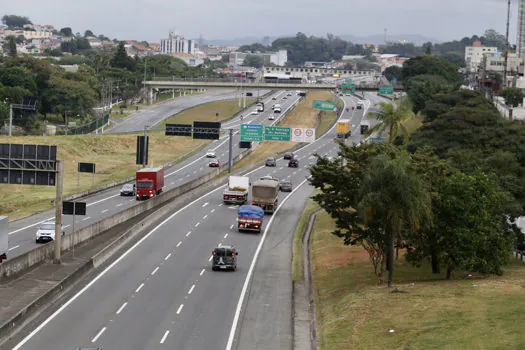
206, 112
297, 271
353, 312
413, 124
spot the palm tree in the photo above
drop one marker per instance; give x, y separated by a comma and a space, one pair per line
395, 199
391, 120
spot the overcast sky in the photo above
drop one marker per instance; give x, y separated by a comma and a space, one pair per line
227, 19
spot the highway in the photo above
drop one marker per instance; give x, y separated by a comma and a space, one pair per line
22, 232
162, 293
153, 116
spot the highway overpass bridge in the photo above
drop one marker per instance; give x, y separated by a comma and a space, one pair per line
194, 84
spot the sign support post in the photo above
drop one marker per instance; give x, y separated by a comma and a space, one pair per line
230, 152
58, 211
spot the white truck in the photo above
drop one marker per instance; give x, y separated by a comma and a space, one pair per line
237, 191
4, 237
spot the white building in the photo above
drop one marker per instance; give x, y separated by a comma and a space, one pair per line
278, 58
474, 55
520, 38
176, 43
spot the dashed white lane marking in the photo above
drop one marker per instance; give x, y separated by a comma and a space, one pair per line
98, 335
191, 289
167, 256
180, 309
67, 226
139, 288
202, 272
155, 271
205, 204
211, 257
87, 218
13, 248
197, 224
164, 337
189, 233
118, 205
178, 244
231, 227
226, 235
204, 217
104, 211
122, 307
173, 183
220, 205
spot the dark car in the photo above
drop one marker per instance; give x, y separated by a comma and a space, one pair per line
128, 190
288, 155
293, 163
285, 186
271, 162
359, 106
224, 258
214, 163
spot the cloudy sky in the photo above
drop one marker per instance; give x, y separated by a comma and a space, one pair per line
227, 19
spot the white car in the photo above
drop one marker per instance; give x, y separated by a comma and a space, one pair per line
255, 112
271, 117
210, 154
46, 232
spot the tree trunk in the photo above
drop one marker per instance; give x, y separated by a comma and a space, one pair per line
449, 272
391, 262
435, 263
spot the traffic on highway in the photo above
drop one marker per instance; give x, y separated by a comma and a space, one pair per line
163, 293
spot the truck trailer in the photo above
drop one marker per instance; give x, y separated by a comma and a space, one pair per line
237, 191
4, 237
344, 128
250, 218
265, 194
149, 182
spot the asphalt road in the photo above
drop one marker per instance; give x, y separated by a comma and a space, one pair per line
153, 116
162, 293
22, 233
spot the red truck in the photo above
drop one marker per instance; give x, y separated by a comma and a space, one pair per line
149, 182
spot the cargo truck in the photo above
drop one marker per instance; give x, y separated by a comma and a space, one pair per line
265, 194
4, 237
149, 182
344, 128
237, 191
250, 218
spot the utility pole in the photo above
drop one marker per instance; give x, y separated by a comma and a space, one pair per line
506, 47
10, 119
145, 92
230, 152
58, 211
145, 151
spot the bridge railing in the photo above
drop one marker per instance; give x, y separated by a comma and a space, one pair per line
205, 80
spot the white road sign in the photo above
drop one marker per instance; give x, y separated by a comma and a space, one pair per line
297, 135
309, 135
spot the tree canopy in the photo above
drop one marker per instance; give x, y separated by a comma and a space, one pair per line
513, 96
14, 21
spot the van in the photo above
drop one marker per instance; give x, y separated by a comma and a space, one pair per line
224, 258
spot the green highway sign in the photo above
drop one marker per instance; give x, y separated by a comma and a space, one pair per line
325, 106
277, 133
394, 81
348, 80
348, 89
386, 90
252, 132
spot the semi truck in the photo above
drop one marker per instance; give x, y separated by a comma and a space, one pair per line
237, 191
4, 237
265, 194
250, 218
149, 182
344, 128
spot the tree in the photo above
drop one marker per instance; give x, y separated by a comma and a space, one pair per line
456, 58
431, 65
513, 96
67, 32
421, 89
394, 198
253, 61
225, 58
88, 33
11, 46
14, 21
427, 47
471, 223
393, 72
391, 120
121, 58
253, 48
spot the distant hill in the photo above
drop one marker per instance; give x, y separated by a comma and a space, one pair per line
370, 39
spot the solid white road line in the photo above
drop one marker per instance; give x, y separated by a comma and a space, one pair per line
155, 271
167, 256
191, 289
164, 337
178, 244
98, 335
252, 266
122, 307
126, 253
139, 288
180, 309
